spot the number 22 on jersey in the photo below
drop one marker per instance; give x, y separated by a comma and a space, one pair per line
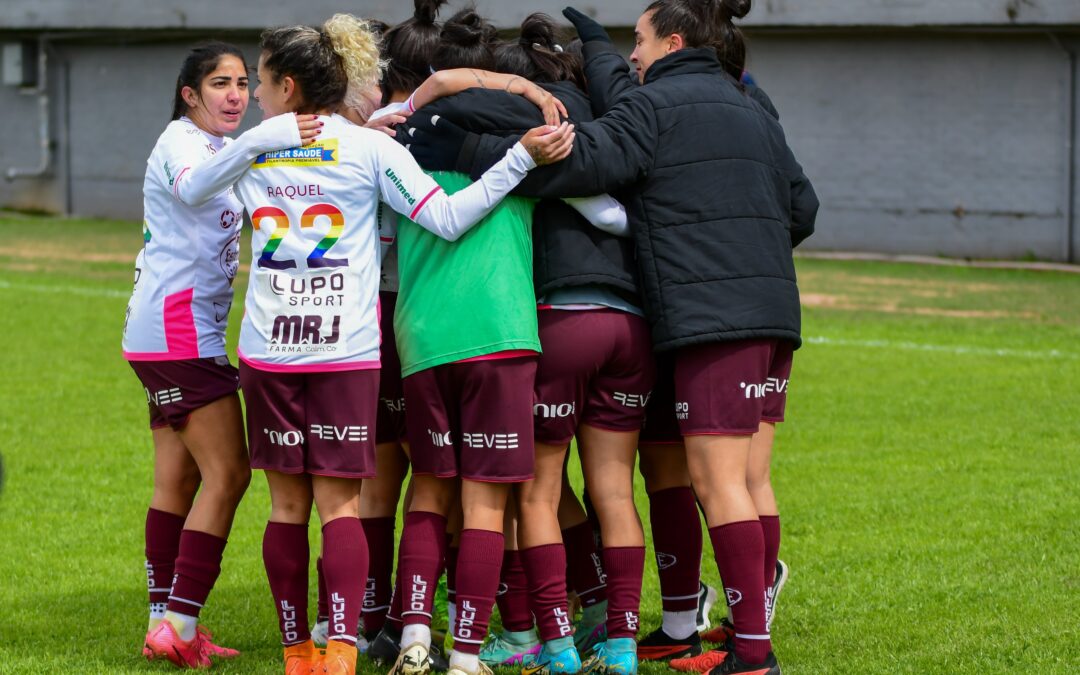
317, 258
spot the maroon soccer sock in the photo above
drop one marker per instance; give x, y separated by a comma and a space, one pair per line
421, 554
625, 566
545, 569
513, 595
479, 560
324, 604
770, 528
286, 558
676, 531
380, 538
345, 564
162, 546
451, 570
197, 568
584, 570
739, 549
393, 615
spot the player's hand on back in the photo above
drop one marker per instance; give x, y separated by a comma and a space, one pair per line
548, 144
386, 123
310, 128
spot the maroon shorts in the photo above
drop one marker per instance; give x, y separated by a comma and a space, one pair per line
317, 423
473, 420
730, 388
596, 369
660, 425
175, 389
390, 424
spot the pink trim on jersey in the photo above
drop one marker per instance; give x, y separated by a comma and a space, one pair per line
181, 338
310, 367
176, 181
423, 201
496, 356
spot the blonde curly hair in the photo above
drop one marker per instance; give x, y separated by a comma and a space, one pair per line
358, 47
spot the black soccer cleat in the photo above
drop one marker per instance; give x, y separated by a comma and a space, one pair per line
659, 646
732, 665
385, 646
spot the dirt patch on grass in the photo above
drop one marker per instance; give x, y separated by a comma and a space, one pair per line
52, 251
892, 306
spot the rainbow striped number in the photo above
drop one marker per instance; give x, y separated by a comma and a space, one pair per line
281, 228
317, 258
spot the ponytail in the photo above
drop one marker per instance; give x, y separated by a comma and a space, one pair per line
705, 23
409, 47
357, 47
537, 55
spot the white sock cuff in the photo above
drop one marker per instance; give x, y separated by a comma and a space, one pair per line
415, 632
680, 625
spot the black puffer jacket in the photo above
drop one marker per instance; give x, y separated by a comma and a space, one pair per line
718, 200
567, 250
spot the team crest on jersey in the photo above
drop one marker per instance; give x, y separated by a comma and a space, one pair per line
323, 153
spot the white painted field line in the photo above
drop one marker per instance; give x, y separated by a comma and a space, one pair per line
962, 350
64, 290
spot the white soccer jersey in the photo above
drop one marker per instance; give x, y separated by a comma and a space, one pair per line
184, 273
388, 220
312, 298
191, 233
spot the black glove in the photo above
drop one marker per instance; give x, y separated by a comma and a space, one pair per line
587, 27
434, 141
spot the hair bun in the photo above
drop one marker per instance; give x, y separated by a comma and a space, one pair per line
426, 10
736, 9
467, 28
538, 29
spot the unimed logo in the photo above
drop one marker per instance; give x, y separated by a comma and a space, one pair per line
769, 386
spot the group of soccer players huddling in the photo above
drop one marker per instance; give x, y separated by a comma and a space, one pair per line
466, 254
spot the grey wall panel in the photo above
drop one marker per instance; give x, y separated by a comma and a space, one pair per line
952, 143
84, 14
122, 102
943, 144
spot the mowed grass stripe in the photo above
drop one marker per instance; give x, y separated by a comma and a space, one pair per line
929, 496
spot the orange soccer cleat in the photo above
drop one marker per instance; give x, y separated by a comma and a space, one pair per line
340, 658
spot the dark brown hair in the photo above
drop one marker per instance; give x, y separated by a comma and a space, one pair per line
705, 23
537, 55
200, 62
410, 47
467, 41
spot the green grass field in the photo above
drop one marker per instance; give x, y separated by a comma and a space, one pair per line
929, 473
